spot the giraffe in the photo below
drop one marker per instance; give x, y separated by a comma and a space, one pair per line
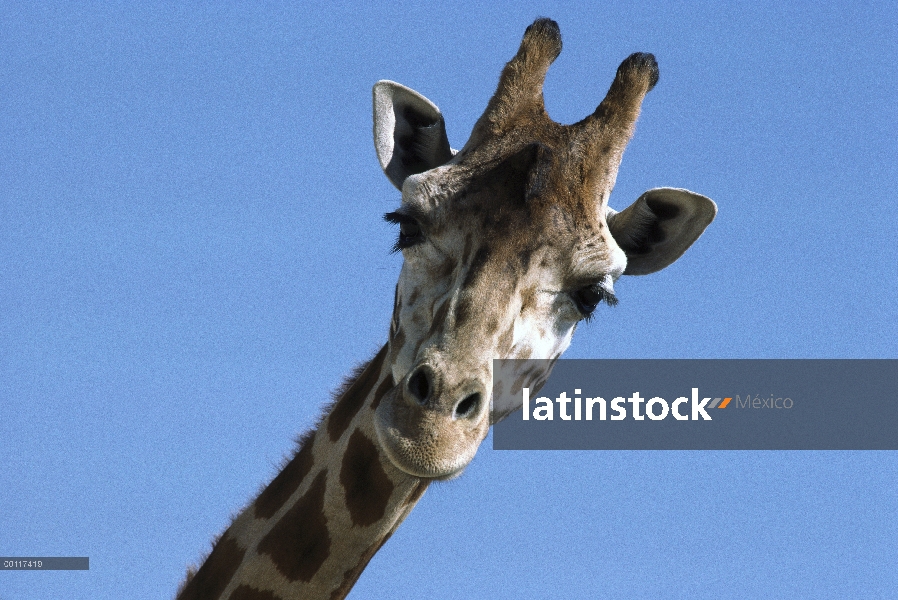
508, 244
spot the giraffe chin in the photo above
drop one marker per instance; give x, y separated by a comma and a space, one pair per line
424, 442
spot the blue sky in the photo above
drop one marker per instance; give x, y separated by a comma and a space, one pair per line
192, 256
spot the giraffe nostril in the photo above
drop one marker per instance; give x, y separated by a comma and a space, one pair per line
468, 406
419, 386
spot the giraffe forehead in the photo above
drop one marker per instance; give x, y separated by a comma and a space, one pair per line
514, 246
540, 201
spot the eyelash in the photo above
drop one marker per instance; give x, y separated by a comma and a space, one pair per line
586, 299
410, 233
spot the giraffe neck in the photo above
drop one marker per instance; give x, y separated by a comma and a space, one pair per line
313, 529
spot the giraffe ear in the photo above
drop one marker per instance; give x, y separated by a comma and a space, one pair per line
409, 132
659, 227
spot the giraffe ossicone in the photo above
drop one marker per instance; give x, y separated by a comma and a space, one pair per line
508, 244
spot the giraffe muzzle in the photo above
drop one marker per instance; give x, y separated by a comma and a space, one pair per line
430, 426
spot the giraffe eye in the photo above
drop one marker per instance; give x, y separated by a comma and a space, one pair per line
409, 235
410, 232
588, 298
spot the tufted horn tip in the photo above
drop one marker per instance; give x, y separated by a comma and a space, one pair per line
639, 67
545, 36
519, 95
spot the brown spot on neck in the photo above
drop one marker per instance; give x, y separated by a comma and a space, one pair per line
352, 575
385, 386
245, 592
215, 574
366, 486
352, 399
300, 543
286, 482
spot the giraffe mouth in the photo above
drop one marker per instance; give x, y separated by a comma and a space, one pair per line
427, 442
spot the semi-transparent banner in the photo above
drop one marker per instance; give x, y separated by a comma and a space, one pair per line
762, 404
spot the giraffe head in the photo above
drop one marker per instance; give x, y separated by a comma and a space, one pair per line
508, 243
